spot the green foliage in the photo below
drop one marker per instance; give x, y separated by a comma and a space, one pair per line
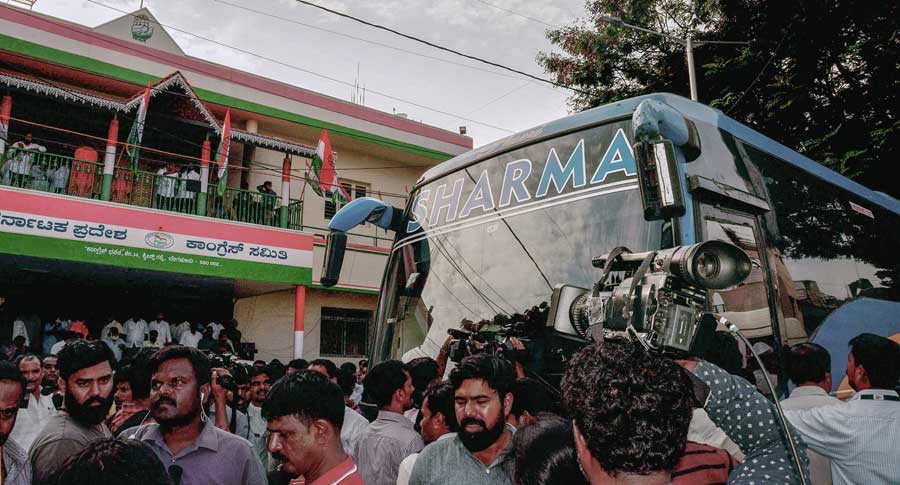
820, 76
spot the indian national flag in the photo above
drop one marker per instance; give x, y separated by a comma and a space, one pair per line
323, 175
222, 153
137, 131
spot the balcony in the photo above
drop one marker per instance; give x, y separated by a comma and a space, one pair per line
59, 174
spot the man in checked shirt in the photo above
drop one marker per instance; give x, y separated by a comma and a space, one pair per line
632, 409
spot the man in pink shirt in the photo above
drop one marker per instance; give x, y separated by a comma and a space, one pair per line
304, 413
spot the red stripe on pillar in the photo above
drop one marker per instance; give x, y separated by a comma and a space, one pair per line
299, 308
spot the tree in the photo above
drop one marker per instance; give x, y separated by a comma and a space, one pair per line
820, 76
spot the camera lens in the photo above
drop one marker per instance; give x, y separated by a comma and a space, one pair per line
707, 265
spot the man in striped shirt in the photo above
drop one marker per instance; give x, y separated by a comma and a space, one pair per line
304, 413
862, 435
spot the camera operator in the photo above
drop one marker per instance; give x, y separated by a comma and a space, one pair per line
221, 406
632, 409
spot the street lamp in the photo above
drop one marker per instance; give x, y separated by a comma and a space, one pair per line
688, 43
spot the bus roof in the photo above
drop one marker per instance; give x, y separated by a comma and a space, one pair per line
691, 109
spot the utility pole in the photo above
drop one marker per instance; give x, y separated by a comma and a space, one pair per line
688, 42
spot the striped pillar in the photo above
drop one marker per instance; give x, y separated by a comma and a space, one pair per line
285, 191
299, 308
204, 178
109, 159
5, 111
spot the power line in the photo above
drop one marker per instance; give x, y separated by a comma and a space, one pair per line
517, 14
291, 66
367, 41
761, 71
498, 98
439, 47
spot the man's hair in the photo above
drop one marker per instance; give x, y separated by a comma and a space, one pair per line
330, 367
346, 381
112, 461
348, 367
140, 375
383, 380
422, 370
309, 396
880, 357
529, 395
440, 400
11, 372
299, 364
123, 374
51, 356
81, 354
30, 357
808, 362
545, 453
199, 361
499, 374
632, 407
266, 370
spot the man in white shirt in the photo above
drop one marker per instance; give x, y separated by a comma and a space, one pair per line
179, 329
162, 328
438, 423
260, 383
31, 420
166, 184
809, 366
112, 324
861, 436
135, 332
192, 337
19, 329
20, 163
216, 328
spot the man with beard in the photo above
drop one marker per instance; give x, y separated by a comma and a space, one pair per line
391, 437
50, 375
13, 459
40, 407
183, 436
481, 451
304, 414
260, 382
87, 369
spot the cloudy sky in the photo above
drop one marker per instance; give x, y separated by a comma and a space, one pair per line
298, 40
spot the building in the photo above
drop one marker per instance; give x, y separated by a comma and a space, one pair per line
90, 228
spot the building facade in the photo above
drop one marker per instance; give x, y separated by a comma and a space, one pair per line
94, 225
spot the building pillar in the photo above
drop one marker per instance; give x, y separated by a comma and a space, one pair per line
5, 111
299, 308
285, 191
109, 159
204, 178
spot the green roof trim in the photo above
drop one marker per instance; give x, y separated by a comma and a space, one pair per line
76, 61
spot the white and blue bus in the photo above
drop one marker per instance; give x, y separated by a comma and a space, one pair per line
488, 235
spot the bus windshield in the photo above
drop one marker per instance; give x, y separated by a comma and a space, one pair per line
488, 243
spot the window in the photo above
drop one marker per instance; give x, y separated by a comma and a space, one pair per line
355, 189
344, 332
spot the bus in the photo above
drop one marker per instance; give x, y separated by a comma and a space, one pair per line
489, 235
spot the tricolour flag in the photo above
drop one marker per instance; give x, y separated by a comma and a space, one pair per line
137, 131
323, 174
222, 152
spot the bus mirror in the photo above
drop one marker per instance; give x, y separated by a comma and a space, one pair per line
659, 181
335, 244
691, 149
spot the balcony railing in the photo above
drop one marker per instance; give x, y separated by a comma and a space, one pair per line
82, 176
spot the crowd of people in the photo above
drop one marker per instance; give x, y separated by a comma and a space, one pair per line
172, 413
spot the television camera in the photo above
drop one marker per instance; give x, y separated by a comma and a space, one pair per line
656, 298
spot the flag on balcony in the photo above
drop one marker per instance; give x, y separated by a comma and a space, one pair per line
323, 174
137, 131
222, 152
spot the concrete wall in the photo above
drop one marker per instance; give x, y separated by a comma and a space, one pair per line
268, 320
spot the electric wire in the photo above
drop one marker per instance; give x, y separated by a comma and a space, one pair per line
761, 71
439, 47
307, 71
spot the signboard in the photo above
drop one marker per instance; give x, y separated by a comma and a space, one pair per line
92, 232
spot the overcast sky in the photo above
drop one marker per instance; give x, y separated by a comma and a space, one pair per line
449, 83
